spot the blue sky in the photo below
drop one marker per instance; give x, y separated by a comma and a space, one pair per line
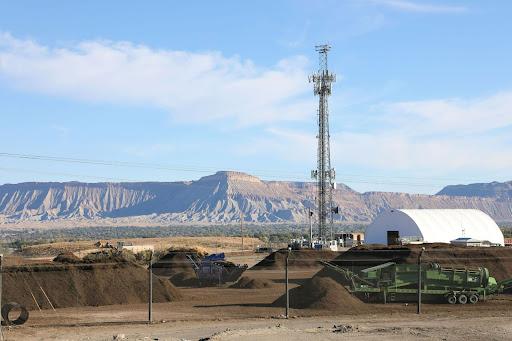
423, 97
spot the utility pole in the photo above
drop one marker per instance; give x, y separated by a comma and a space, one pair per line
419, 281
310, 214
324, 174
286, 284
150, 289
242, 230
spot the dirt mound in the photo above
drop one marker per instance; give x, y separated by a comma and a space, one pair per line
177, 267
109, 255
252, 283
184, 279
197, 250
323, 293
67, 258
497, 259
82, 285
305, 258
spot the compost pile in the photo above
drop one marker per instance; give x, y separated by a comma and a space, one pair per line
305, 258
109, 255
323, 293
67, 258
177, 267
253, 283
66, 285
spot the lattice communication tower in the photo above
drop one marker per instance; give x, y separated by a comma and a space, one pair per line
324, 174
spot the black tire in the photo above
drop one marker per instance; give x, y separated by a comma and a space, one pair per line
451, 299
20, 320
463, 299
473, 299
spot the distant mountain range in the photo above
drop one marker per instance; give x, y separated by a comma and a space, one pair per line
219, 198
498, 190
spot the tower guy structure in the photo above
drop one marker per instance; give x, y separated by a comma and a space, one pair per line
324, 174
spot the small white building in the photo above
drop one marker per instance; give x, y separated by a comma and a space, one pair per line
465, 241
432, 226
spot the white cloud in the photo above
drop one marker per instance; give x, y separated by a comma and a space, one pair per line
433, 137
440, 155
454, 116
191, 86
410, 6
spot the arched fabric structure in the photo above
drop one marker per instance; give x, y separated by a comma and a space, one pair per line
433, 226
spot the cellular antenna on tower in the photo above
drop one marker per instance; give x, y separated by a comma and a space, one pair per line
324, 174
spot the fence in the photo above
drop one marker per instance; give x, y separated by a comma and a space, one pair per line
111, 288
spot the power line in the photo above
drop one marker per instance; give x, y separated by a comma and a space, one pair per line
65, 174
268, 174
195, 168
117, 179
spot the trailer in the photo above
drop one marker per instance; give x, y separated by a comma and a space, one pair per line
392, 282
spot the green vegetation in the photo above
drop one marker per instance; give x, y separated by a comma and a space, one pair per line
276, 233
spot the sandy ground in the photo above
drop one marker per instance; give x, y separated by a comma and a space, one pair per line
240, 314
370, 327
210, 244
222, 313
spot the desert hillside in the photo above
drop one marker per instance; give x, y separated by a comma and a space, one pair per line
501, 190
218, 198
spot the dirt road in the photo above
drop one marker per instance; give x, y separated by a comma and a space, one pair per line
405, 327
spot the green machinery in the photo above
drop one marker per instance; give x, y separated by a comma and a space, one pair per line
399, 283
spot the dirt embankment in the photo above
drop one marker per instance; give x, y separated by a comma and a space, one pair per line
66, 285
305, 258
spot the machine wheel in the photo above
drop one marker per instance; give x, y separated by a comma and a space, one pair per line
463, 299
473, 299
452, 299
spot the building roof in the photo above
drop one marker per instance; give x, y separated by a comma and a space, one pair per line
449, 224
467, 240
434, 226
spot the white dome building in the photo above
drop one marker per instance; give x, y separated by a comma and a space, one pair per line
432, 226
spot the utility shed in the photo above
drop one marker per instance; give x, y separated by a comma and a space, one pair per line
464, 241
432, 226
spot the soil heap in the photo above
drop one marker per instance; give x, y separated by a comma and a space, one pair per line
252, 283
67, 285
177, 267
68, 258
305, 258
323, 293
109, 255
